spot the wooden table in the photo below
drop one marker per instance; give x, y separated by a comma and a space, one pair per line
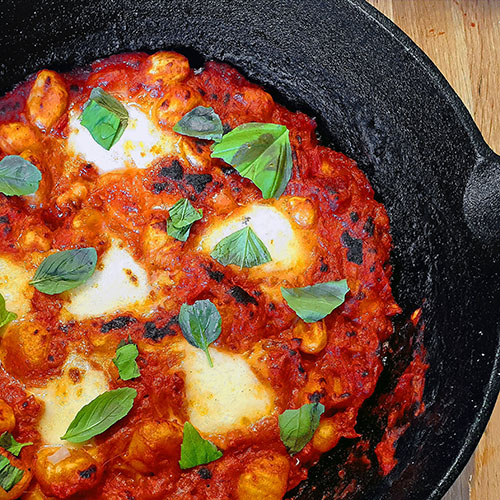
462, 37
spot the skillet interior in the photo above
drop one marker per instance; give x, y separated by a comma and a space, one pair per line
379, 100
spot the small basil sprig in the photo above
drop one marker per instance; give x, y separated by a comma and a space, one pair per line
182, 216
242, 248
200, 325
312, 303
9, 474
125, 360
195, 450
297, 426
100, 414
260, 152
105, 117
65, 270
8, 443
201, 122
5, 316
18, 176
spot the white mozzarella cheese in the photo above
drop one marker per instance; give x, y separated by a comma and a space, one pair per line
272, 226
141, 142
64, 396
118, 284
224, 397
14, 286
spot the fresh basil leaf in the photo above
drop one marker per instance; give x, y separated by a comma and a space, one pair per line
184, 214
18, 176
8, 443
125, 361
297, 426
312, 303
201, 122
5, 316
195, 450
9, 474
260, 152
100, 414
182, 217
181, 234
65, 270
105, 117
200, 324
242, 248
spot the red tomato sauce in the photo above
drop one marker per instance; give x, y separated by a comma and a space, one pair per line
78, 207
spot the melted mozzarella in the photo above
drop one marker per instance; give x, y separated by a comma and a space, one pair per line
64, 396
273, 226
141, 142
14, 286
224, 397
118, 284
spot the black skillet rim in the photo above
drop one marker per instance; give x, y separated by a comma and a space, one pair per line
483, 151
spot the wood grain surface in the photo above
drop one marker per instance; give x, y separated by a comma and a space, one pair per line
462, 37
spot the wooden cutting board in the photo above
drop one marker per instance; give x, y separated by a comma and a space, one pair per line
462, 37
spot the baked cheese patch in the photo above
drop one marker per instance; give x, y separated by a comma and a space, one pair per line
119, 283
14, 286
141, 143
225, 397
288, 248
64, 396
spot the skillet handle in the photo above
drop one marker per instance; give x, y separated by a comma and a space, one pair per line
482, 199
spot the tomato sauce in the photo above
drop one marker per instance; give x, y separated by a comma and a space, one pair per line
76, 206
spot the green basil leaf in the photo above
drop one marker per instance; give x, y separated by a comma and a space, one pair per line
242, 248
18, 176
200, 324
182, 217
184, 214
312, 303
8, 443
195, 450
5, 316
201, 122
65, 270
9, 474
105, 117
100, 414
297, 426
181, 234
260, 152
125, 361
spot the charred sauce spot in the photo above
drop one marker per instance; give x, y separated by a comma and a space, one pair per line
315, 397
151, 331
174, 172
369, 226
354, 217
159, 187
227, 171
324, 267
199, 181
4, 219
205, 473
214, 274
354, 248
117, 323
88, 473
242, 296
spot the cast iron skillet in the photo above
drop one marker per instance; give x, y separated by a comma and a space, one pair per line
381, 101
